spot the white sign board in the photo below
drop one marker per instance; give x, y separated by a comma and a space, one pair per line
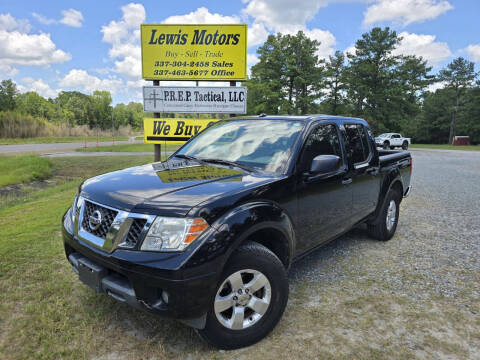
191, 99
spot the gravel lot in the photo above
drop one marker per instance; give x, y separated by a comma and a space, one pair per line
429, 272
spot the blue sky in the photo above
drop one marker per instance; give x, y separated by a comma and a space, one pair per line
85, 45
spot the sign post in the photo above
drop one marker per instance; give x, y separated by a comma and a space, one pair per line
157, 148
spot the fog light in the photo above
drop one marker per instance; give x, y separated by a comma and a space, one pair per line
165, 296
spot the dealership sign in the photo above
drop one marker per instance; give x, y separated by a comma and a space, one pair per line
182, 99
157, 131
194, 52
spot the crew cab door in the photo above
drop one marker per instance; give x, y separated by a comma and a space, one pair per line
363, 170
396, 140
323, 202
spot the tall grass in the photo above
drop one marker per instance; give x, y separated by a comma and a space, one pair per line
15, 125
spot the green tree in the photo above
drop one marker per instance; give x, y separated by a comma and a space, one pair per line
102, 109
77, 108
384, 87
434, 120
288, 77
265, 87
371, 75
334, 83
303, 75
33, 104
458, 75
8, 92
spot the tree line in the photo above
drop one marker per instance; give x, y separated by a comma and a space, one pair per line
390, 91
71, 108
373, 82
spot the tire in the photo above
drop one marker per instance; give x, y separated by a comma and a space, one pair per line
379, 229
405, 145
251, 257
386, 145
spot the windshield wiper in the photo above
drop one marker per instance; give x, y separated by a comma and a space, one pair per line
188, 157
228, 162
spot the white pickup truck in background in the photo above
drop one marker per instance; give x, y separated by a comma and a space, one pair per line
392, 140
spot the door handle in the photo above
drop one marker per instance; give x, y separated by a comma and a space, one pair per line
347, 181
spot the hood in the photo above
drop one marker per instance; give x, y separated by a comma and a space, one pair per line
170, 188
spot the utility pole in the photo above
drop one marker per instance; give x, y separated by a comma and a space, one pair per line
113, 129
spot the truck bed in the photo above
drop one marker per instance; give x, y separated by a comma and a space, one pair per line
399, 159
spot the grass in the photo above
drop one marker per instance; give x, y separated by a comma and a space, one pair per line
50, 140
129, 148
46, 313
446, 147
23, 168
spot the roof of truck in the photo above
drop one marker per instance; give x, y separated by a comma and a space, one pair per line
306, 118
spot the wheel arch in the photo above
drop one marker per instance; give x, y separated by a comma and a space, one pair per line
392, 180
264, 222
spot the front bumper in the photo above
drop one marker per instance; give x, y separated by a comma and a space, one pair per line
140, 278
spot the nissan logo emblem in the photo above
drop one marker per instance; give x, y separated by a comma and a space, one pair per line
95, 220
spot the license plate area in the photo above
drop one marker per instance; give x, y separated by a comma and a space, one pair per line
91, 274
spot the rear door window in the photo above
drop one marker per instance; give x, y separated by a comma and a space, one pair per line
358, 145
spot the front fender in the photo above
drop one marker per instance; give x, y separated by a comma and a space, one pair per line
238, 224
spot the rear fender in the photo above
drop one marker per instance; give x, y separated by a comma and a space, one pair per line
389, 181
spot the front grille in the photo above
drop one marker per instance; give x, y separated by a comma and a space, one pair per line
134, 233
107, 215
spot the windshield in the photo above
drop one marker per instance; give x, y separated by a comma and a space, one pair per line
260, 144
384, 135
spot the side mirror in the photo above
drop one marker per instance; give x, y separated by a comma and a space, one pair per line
323, 164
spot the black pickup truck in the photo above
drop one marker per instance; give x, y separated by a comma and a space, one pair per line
207, 236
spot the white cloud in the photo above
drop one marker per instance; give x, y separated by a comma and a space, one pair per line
9, 23
7, 70
326, 39
124, 36
18, 47
39, 86
130, 66
257, 34
350, 50
81, 80
287, 18
436, 86
202, 16
405, 11
474, 52
43, 19
283, 15
424, 46
72, 17
252, 59
29, 49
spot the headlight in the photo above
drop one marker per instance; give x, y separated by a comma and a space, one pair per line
74, 208
173, 234
67, 221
